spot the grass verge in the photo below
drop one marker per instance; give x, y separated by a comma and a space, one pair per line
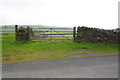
22, 51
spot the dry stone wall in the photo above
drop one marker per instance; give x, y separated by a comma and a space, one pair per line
25, 33
95, 35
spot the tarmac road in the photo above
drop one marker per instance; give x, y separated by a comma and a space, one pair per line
89, 67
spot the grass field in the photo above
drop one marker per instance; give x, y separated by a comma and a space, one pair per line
22, 51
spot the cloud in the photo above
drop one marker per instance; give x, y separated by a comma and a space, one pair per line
98, 13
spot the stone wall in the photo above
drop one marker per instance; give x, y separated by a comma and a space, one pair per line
24, 33
95, 35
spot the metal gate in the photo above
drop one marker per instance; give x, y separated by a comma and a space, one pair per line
53, 34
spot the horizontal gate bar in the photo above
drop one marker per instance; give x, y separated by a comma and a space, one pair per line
56, 34
52, 28
53, 31
52, 39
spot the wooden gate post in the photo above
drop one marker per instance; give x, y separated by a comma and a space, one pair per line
28, 32
51, 34
16, 32
74, 34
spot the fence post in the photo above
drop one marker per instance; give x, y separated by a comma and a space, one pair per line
28, 32
16, 32
74, 34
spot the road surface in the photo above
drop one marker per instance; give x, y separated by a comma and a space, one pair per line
89, 67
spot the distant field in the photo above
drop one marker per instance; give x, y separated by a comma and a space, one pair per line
7, 31
22, 51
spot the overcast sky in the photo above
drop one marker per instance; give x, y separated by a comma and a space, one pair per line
91, 13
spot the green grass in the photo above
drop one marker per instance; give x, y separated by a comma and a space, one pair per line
22, 51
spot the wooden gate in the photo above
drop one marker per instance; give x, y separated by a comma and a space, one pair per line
53, 34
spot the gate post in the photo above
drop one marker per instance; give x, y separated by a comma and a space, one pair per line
28, 33
74, 34
51, 34
16, 32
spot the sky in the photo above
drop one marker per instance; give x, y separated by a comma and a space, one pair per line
63, 13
